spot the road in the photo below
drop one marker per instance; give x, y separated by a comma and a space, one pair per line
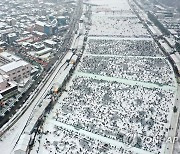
68, 38
11, 137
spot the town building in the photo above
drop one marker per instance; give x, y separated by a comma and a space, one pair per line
50, 43
16, 70
7, 87
6, 57
14, 67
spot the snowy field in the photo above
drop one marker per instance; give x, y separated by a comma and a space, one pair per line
113, 5
115, 18
117, 13
177, 144
112, 110
130, 68
122, 47
122, 85
73, 141
104, 25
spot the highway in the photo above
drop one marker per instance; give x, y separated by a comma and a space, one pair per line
17, 129
14, 129
68, 38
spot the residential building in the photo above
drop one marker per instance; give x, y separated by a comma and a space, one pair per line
16, 70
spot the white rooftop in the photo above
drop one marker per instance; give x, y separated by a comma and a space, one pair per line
50, 42
40, 23
9, 56
38, 45
2, 24
1, 96
12, 34
2, 77
2, 42
39, 33
13, 65
46, 50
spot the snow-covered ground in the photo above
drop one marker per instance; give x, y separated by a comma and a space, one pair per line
130, 68
61, 138
110, 25
113, 5
123, 85
112, 109
10, 138
177, 144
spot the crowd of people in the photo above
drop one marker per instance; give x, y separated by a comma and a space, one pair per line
104, 25
73, 142
148, 70
110, 108
123, 47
